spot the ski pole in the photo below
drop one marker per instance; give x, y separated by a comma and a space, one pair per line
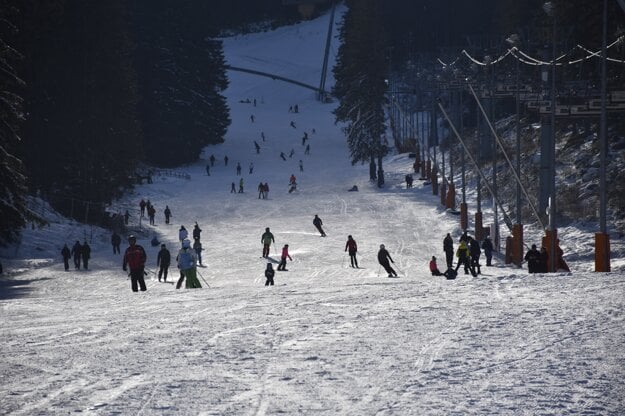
200, 274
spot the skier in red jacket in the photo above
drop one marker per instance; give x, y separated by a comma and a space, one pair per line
285, 255
135, 257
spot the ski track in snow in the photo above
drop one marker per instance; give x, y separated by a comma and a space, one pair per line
327, 338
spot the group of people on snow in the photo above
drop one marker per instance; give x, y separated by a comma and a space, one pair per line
81, 254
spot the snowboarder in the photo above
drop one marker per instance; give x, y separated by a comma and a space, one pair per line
434, 267
197, 247
182, 233
487, 246
76, 252
285, 255
448, 247
187, 265
134, 257
318, 223
533, 259
167, 214
351, 247
383, 259
163, 260
266, 239
66, 256
238, 169
269, 273
197, 232
116, 241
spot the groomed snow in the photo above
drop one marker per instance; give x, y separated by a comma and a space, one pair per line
327, 339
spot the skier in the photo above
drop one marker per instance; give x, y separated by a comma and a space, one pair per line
212, 159
238, 169
134, 257
76, 252
434, 267
163, 260
241, 185
257, 146
66, 255
126, 217
544, 260
318, 223
197, 247
291, 153
262, 135
487, 246
304, 138
151, 213
182, 233
293, 124
533, 259
187, 265
266, 239
301, 165
269, 273
116, 241
226, 160
197, 231
233, 189
296, 108
261, 190
85, 253
251, 167
351, 247
307, 151
383, 259
285, 255
167, 214
282, 156
252, 118
448, 247
208, 170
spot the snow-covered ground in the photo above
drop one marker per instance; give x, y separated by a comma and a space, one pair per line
327, 339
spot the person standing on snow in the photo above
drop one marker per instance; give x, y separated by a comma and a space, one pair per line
533, 259
261, 191
163, 260
182, 233
116, 241
318, 223
135, 257
487, 246
352, 248
448, 247
383, 259
187, 265
463, 256
197, 231
269, 273
212, 159
266, 239
197, 247
66, 255
167, 214
226, 160
285, 255
85, 253
142, 205
241, 185
77, 252
475, 252
301, 165
238, 169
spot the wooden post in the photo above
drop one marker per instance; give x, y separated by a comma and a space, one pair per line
479, 230
450, 202
464, 216
602, 252
517, 247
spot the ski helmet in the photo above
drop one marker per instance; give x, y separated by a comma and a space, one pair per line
381, 245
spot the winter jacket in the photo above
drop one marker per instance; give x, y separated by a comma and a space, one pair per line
285, 253
448, 244
186, 259
267, 238
487, 245
351, 246
196, 232
163, 258
86, 251
182, 234
384, 256
116, 239
317, 222
134, 257
65, 252
433, 266
463, 251
269, 272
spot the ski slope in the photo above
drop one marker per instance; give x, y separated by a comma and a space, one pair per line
326, 339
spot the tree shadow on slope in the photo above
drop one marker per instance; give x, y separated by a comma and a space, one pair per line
15, 289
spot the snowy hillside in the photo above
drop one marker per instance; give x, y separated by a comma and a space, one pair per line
327, 338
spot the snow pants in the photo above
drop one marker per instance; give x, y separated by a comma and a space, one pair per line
191, 279
136, 277
162, 271
389, 269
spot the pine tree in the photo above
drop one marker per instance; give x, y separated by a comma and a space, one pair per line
360, 75
14, 212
